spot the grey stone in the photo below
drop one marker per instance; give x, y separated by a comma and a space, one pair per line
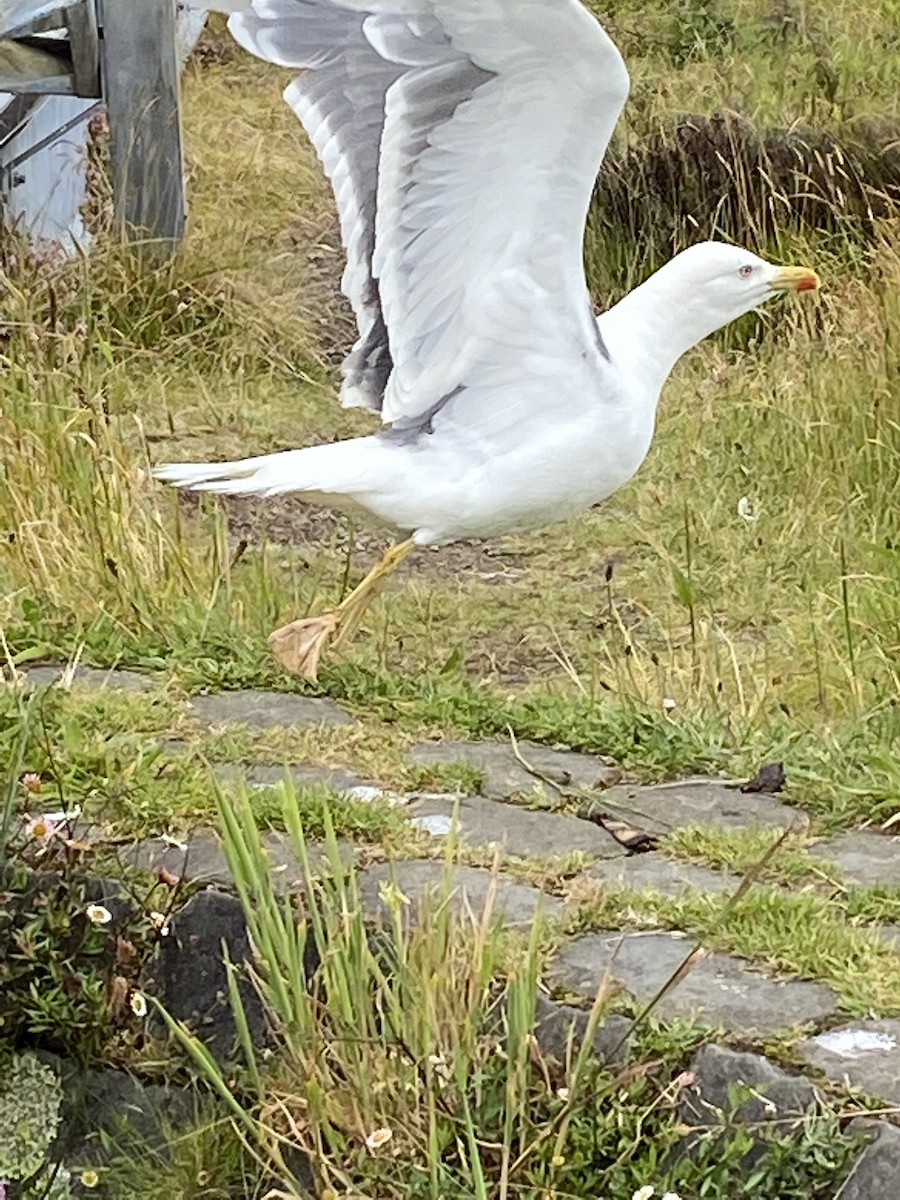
469, 888
189, 976
890, 934
863, 1054
719, 990
558, 1023
96, 678
699, 802
650, 872
876, 1173
198, 859
268, 710
201, 858
774, 1094
505, 776
108, 1106
521, 831
188, 972
260, 775
864, 857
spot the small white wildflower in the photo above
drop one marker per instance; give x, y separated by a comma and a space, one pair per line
41, 828
138, 1004
31, 783
671, 1196
644, 1193
379, 1137
97, 914
89, 1179
745, 509
563, 1093
160, 922
669, 703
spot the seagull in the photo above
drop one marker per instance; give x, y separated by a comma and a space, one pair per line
462, 139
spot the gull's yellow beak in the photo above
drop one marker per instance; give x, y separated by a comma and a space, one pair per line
794, 279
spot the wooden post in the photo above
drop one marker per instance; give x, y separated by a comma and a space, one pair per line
140, 72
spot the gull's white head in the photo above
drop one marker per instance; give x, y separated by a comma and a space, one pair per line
713, 283
697, 292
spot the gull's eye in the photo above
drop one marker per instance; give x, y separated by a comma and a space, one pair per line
746, 271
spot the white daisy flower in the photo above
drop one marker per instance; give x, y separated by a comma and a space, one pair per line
97, 914
379, 1137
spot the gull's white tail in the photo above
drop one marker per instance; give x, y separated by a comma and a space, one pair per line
335, 470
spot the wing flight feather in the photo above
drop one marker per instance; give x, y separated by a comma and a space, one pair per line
462, 139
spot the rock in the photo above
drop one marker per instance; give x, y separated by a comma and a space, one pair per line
521, 831
652, 873
514, 903
863, 1054
95, 678
103, 1106
268, 710
720, 990
505, 776
890, 934
876, 1173
201, 858
336, 778
189, 978
864, 858
556, 1023
718, 1071
698, 802
107, 1114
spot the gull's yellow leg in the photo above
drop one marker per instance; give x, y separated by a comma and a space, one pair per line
299, 645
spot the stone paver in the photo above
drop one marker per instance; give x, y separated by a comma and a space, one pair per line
85, 678
890, 934
652, 873
514, 903
876, 1173
774, 1094
698, 802
200, 858
268, 710
863, 1054
519, 830
864, 857
271, 775
720, 990
557, 1023
505, 776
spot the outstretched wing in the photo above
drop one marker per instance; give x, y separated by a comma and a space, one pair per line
496, 116
340, 99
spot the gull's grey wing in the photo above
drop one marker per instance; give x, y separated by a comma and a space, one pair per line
463, 139
340, 99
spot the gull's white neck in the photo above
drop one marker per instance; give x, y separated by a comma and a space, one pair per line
650, 328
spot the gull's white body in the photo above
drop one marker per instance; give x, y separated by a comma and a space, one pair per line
463, 138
